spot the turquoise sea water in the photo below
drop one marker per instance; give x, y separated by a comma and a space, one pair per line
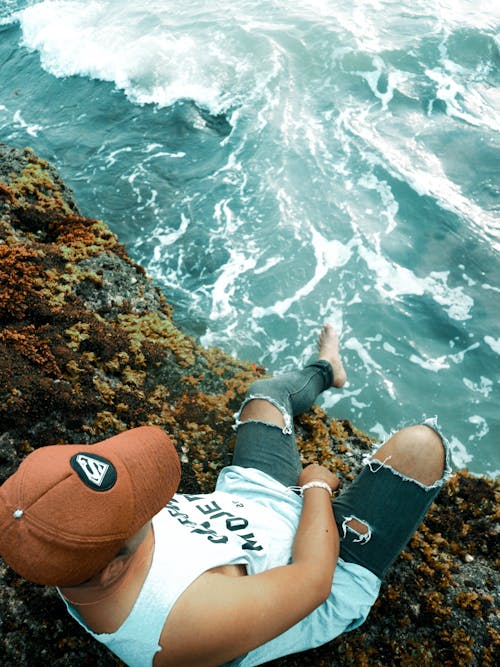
274, 164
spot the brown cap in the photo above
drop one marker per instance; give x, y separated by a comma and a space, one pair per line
68, 509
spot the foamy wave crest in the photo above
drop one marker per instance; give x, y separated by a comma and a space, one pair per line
155, 53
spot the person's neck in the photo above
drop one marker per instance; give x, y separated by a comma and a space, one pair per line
95, 590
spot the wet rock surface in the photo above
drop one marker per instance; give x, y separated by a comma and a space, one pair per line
88, 347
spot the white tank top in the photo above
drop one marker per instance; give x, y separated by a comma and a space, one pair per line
250, 519
192, 535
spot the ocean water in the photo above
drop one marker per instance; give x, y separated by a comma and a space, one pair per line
274, 164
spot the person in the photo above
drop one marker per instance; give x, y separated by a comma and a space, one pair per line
266, 565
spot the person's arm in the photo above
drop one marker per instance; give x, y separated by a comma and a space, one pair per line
317, 524
219, 617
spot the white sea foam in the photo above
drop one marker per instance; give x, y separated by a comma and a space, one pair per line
379, 432
393, 281
332, 399
429, 364
414, 164
482, 427
154, 52
483, 387
31, 128
459, 454
328, 255
494, 343
469, 103
225, 285
168, 238
362, 350
459, 356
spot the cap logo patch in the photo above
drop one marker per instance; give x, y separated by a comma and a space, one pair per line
95, 471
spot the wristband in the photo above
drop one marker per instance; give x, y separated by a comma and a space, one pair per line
316, 483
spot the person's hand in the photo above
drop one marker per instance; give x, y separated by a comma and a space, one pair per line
318, 472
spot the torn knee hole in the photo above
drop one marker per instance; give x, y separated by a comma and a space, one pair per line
358, 527
259, 409
266, 411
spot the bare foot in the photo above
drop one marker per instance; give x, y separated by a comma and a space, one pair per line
328, 348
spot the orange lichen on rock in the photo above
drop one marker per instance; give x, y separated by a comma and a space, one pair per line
478, 604
27, 343
19, 266
79, 237
158, 328
37, 183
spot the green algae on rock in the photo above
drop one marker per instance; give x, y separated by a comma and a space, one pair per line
88, 347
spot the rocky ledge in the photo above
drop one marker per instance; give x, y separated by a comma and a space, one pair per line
88, 347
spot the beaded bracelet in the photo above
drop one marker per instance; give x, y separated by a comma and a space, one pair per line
312, 484
316, 482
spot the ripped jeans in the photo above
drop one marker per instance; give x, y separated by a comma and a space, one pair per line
377, 513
